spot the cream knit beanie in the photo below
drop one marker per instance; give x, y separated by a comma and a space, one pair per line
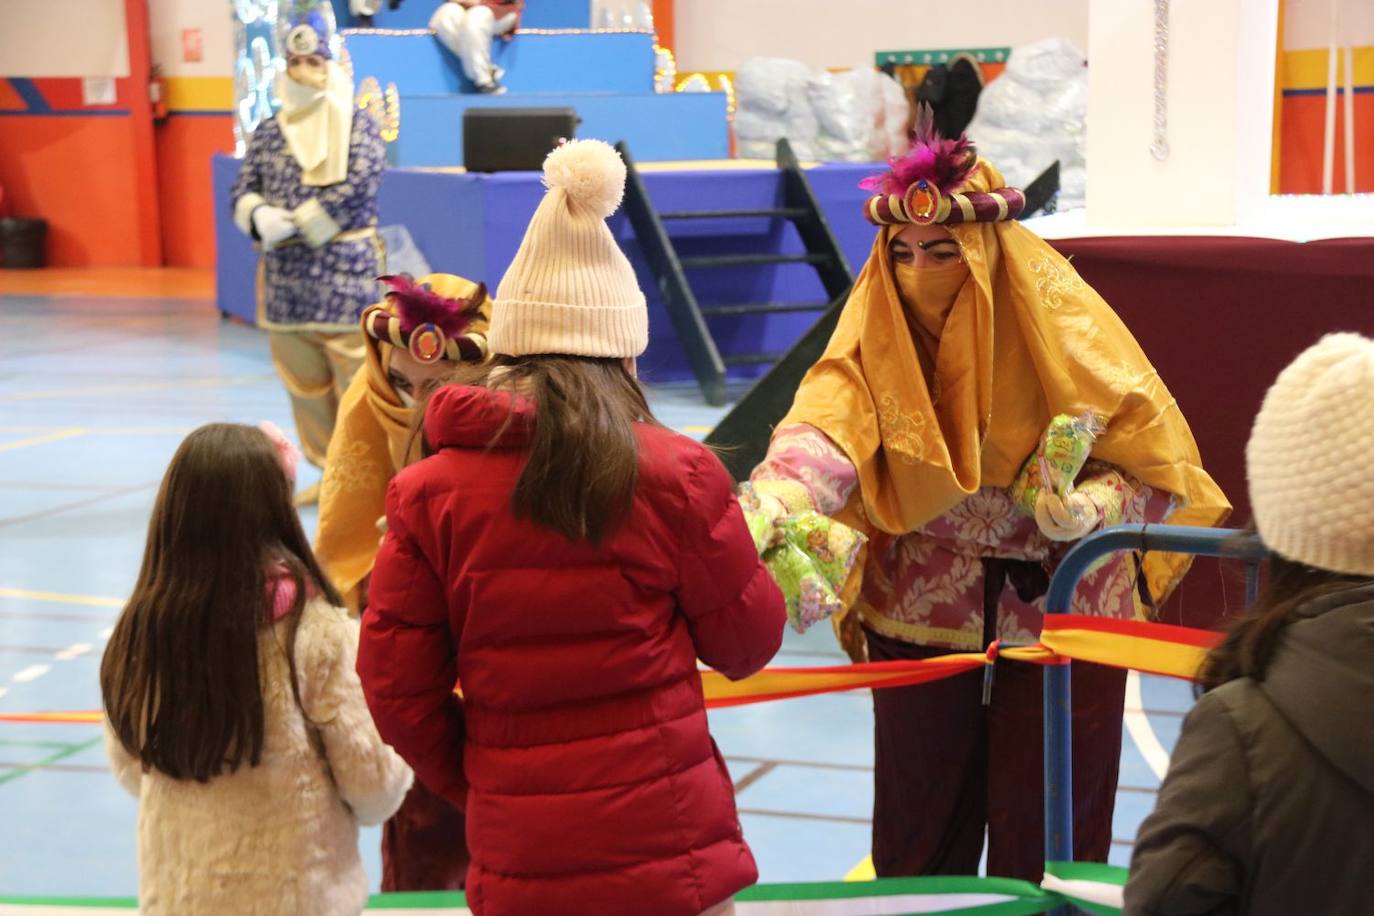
1311, 458
571, 290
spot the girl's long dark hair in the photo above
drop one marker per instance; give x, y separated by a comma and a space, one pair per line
180, 676
583, 464
1249, 645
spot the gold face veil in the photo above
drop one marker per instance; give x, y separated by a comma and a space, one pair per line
1025, 340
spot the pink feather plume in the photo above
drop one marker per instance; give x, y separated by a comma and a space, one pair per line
418, 304
947, 164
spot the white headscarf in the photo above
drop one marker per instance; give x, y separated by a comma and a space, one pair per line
317, 124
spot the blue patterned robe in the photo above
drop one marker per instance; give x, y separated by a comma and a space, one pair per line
325, 288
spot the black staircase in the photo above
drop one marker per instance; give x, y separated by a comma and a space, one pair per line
690, 319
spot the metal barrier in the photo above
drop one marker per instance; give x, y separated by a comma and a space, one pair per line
1203, 542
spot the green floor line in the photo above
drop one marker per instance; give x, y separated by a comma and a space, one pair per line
70, 751
58, 745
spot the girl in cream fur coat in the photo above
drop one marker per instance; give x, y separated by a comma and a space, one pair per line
233, 710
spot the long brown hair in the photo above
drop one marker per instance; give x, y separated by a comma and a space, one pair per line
583, 464
180, 674
1249, 645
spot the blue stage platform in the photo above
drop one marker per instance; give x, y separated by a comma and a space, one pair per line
566, 62
414, 14
472, 224
659, 128
607, 77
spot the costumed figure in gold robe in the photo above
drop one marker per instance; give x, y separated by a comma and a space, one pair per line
413, 340
965, 336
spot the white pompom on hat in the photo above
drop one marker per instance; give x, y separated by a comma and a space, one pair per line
1310, 460
570, 289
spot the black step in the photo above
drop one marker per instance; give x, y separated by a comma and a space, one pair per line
774, 213
750, 260
751, 359
763, 308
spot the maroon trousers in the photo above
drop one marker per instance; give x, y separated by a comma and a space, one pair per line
424, 845
946, 768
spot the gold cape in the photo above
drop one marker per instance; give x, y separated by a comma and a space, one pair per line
1026, 340
373, 439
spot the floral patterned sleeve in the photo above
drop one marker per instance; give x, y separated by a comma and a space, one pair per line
806, 471
247, 193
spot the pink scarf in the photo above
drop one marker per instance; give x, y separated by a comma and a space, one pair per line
281, 591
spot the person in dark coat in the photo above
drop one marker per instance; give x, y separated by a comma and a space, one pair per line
1268, 806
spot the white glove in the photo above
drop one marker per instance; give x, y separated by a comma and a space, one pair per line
1068, 519
274, 225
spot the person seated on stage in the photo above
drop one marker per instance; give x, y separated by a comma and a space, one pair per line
414, 338
467, 27
964, 338
364, 10
306, 193
1268, 805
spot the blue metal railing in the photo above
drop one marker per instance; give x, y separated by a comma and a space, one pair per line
1202, 542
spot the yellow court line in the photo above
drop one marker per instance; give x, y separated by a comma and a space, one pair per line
863, 871
59, 598
42, 440
103, 430
133, 389
696, 428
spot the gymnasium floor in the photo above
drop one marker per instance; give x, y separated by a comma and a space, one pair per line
101, 375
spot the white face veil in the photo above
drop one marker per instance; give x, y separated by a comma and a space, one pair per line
316, 122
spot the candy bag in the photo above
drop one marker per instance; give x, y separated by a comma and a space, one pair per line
811, 563
1058, 460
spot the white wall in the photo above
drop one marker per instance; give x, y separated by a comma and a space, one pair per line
1307, 23
167, 19
63, 38
1217, 170
722, 34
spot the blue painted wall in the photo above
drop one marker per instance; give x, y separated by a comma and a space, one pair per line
472, 225
414, 14
607, 77
585, 62
680, 126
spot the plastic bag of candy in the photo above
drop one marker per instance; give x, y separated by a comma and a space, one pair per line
811, 561
1058, 460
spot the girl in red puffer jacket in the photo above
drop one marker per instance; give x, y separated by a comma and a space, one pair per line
568, 560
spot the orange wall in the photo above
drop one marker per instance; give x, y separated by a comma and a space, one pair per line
1304, 126
79, 172
1302, 76
90, 171
74, 172
185, 143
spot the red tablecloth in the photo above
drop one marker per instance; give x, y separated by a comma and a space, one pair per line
1219, 318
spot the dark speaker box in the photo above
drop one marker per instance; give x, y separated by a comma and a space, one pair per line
514, 139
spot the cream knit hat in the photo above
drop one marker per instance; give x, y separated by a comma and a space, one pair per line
1311, 458
570, 289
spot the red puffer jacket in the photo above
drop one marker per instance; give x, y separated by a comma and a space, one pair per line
580, 749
